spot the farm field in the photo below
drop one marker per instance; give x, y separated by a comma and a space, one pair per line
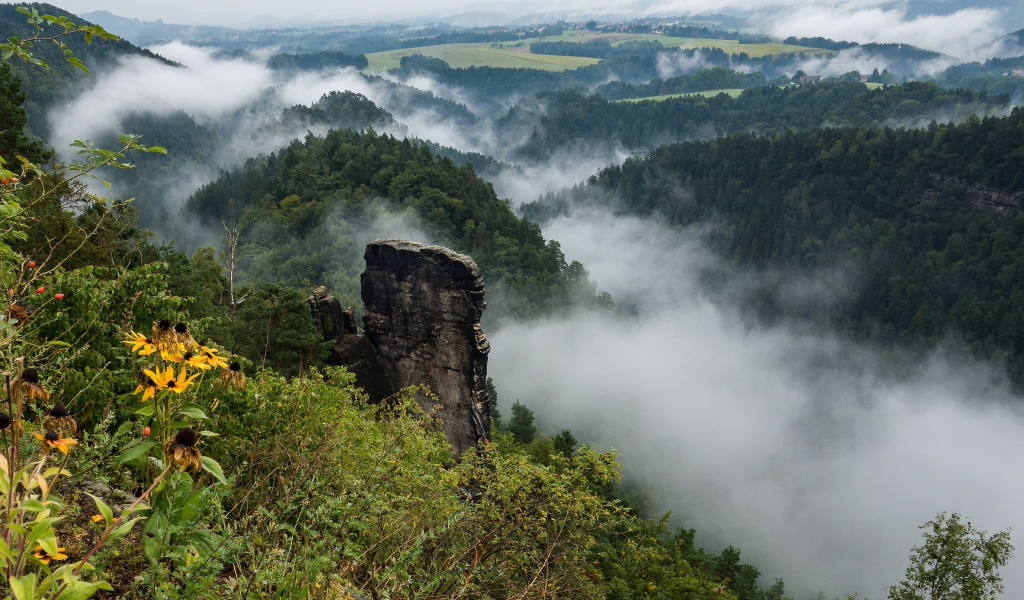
478, 55
518, 55
733, 47
733, 92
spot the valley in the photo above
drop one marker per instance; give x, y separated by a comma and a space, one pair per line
676, 306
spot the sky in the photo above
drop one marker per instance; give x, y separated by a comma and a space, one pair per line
934, 24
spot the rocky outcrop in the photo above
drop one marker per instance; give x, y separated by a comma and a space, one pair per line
351, 349
423, 308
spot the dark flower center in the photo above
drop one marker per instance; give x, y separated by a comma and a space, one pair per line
187, 356
181, 328
51, 436
165, 325
5, 420
149, 340
30, 375
58, 411
186, 437
235, 366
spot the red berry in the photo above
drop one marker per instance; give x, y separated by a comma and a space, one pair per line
145, 431
40, 290
59, 296
31, 264
5, 181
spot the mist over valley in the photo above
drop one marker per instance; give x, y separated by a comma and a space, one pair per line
672, 300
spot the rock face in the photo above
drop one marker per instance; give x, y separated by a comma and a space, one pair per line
352, 349
423, 307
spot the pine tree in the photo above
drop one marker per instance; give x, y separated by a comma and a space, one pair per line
12, 123
521, 425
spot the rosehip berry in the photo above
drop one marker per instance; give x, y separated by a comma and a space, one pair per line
59, 296
31, 264
40, 290
145, 431
5, 181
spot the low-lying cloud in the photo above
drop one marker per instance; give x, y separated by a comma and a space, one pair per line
811, 453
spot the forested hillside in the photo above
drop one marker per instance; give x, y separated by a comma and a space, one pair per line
47, 87
571, 118
301, 209
926, 222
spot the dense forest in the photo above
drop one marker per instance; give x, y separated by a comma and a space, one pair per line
927, 222
572, 118
318, 60
716, 78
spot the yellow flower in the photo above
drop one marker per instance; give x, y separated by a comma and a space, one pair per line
195, 361
149, 387
53, 440
210, 355
141, 344
166, 380
98, 518
45, 558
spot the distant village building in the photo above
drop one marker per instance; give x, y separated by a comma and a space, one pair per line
864, 78
810, 78
1018, 72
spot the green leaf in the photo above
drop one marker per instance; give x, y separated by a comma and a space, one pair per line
82, 590
32, 505
105, 511
146, 411
125, 527
58, 344
205, 541
24, 587
192, 410
134, 452
213, 468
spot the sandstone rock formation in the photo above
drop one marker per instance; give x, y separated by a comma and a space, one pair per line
423, 307
351, 349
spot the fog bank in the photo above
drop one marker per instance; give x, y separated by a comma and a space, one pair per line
800, 449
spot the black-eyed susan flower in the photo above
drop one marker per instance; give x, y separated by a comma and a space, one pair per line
147, 388
196, 361
60, 420
163, 335
98, 519
181, 450
211, 358
166, 381
233, 376
183, 337
27, 386
44, 557
5, 421
52, 439
141, 344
